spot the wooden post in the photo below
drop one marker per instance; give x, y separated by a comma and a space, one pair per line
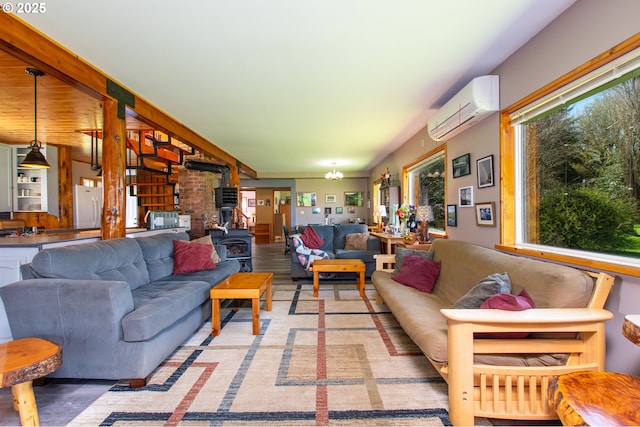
65, 187
113, 171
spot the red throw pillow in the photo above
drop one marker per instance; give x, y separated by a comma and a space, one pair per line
189, 257
311, 239
522, 301
419, 273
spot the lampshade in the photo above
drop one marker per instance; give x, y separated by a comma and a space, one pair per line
424, 213
381, 210
34, 158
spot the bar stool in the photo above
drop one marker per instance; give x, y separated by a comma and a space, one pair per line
21, 362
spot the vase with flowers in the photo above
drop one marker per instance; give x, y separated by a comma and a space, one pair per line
404, 212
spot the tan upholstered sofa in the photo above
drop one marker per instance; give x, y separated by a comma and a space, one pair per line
500, 378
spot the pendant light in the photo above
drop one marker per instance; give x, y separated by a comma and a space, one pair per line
334, 175
34, 158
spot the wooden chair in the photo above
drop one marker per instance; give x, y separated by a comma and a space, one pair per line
517, 392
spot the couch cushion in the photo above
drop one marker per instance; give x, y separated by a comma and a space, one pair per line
418, 273
206, 240
311, 238
340, 232
550, 285
223, 270
189, 257
357, 241
510, 302
159, 305
114, 259
158, 253
401, 253
493, 284
366, 255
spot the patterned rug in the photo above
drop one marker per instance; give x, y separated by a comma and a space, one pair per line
333, 360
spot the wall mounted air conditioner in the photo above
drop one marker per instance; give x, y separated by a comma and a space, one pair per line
472, 104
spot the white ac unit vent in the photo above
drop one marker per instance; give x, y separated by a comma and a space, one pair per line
472, 104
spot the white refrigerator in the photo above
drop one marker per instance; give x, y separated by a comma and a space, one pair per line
87, 206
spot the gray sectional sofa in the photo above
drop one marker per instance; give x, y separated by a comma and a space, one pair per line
334, 237
114, 306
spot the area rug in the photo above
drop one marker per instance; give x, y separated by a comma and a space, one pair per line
338, 359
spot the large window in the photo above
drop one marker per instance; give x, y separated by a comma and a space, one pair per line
577, 166
425, 180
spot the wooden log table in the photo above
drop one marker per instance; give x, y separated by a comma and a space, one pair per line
21, 362
338, 266
599, 398
241, 286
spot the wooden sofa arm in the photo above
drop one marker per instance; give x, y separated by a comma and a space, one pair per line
588, 348
382, 259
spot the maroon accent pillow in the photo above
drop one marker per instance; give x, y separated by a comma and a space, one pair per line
189, 257
311, 239
522, 301
419, 273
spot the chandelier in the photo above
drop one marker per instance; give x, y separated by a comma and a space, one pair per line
333, 175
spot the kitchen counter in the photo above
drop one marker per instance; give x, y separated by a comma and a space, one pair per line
51, 238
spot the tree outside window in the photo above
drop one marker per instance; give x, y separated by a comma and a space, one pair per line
581, 172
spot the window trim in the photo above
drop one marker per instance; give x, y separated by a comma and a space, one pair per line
509, 189
405, 183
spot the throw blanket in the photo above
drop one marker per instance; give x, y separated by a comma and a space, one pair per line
306, 255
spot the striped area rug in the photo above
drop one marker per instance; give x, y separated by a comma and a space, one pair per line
333, 360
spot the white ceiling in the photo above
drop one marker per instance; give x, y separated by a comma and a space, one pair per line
290, 86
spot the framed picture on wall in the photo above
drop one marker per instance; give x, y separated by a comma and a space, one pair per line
465, 197
327, 211
461, 165
452, 215
485, 214
339, 211
252, 203
485, 172
330, 198
315, 211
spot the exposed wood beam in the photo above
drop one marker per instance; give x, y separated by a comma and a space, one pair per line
35, 48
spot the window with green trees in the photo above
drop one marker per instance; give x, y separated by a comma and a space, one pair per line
578, 164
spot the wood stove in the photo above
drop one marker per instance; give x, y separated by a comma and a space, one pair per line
238, 243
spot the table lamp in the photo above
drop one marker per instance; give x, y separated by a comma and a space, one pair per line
424, 215
381, 211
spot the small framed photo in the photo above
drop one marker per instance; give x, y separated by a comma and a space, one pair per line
461, 165
485, 172
452, 215
465, 197
327, 211
260, 202
339, 211
252, 203
315, 211
330, 198
486, 214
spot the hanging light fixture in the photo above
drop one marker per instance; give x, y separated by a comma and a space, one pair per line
333, 175
34, 158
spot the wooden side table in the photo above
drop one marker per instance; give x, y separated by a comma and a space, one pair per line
599, 398
21, 362
242, 286
338, 266
415, 246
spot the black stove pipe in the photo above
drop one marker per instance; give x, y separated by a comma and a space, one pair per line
211, 167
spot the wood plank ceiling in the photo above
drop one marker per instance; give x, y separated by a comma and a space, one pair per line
63, 112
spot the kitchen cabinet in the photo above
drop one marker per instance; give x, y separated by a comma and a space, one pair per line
6, 179
30, 185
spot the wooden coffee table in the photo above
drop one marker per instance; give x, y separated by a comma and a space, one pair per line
241, 286
22, 361
338, 266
